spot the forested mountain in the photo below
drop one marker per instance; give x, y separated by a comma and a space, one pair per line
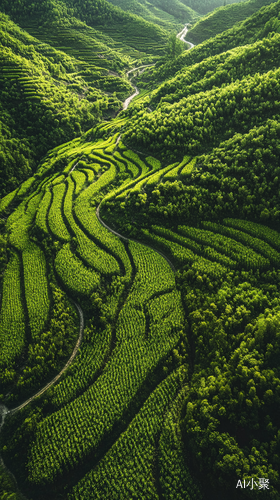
168, 14
59, 22
139, 251
204, 6
223, 18
47, 98
256, 27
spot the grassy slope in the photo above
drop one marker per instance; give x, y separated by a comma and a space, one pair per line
223, 18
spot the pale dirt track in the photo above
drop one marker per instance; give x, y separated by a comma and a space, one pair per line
182, 35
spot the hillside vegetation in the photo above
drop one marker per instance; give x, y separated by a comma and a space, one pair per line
256, 27
47, 98
139, 257
170, 15
205, 6
59, 22
223, 18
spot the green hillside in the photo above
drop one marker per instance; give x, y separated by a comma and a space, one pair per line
139, 255
205, 6
223, 18
169, 14
47, 98
76, 27
200, 121
256, 27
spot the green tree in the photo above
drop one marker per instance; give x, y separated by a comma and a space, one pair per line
174, 47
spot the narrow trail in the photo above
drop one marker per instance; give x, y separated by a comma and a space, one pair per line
129, 99
47, 386
135, 241
182, 35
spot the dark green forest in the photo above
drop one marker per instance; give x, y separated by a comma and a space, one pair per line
139, 250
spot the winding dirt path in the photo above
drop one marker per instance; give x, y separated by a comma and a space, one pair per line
129, 99
47, 386
182, 35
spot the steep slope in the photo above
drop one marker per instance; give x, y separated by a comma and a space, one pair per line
223, 18
59, 21
216, 71
205, 6
199, 122
169, 14
47, 98
263, 22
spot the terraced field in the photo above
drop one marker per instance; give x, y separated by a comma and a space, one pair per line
110, 426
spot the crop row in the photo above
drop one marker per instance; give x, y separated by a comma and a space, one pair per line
258, 230
180, 254
75, 276
100, 158
173, 173
130, 461
156, 177
212, 254
175, 479
228, 246
258, 245
20, 224
58, 180
90, 173
153, 272
69, 435
105, 179
89, 221
187, 169
12, 320
206, 267
41, 216
134, 186
88, 218
36, 288
20, 221
55, 217
129, 167
25, 186
80, 180
178, 238
7, 200
34, 264
134, 158
87, 364
95, 257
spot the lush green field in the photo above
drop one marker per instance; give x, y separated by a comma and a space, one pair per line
158, 318
139, 255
